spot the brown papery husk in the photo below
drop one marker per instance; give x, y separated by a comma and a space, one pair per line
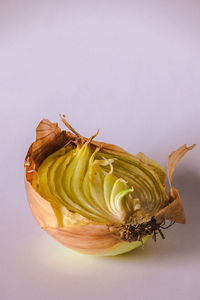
89, 237
174, 211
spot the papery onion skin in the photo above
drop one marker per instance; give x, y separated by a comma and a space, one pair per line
81, 233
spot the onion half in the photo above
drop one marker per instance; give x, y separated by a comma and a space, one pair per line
96, 198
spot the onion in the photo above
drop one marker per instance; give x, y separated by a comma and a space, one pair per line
96, 198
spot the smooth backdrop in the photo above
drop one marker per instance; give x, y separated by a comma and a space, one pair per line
132, 69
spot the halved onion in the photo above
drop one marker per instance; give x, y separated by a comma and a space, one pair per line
96, 198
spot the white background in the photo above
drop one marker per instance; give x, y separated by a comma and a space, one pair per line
132, 69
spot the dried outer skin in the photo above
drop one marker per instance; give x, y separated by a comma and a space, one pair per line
49, 138
174, 211
82, 234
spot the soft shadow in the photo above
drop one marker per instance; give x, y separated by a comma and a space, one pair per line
181, 240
